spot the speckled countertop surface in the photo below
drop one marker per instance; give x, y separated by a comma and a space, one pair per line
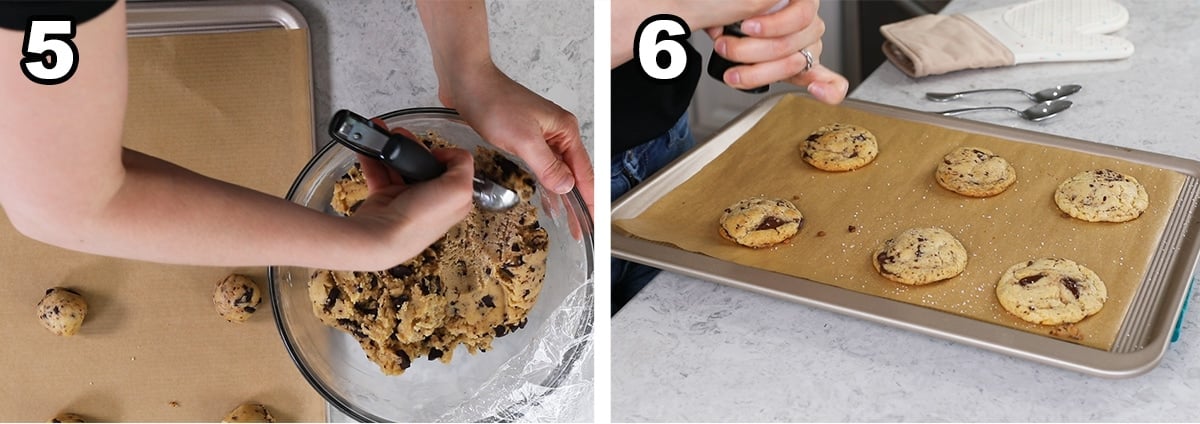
372, 57
689, 350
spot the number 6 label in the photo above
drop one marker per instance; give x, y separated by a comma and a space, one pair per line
50, 56
648, 45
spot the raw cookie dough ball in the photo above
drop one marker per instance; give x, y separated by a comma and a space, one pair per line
839, 147
67, 417
1102, 195
1051, 291
349, 191
921, 256
62, 311
760, 222
236, 298
249, 413
975, 172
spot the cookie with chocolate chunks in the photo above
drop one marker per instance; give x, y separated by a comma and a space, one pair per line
760, 222
839, 147
920, 256
1051, 291
975, 172
1102, 195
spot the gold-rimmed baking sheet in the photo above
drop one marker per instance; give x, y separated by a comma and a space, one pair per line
897, 191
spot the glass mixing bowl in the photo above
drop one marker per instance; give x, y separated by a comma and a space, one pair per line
523, 369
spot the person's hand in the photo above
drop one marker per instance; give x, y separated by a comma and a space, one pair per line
408, 218
771, 52
520, 122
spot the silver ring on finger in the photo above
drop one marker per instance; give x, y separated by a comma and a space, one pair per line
809, 57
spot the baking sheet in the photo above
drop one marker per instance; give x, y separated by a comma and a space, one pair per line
235, 107
897, 191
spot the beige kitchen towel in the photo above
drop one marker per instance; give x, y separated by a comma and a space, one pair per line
936, 44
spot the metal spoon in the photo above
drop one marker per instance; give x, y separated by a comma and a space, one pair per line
1055, 93
1036, 112
493, 196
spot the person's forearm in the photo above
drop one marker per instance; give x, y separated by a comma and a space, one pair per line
626, 16
163, 211
68, 181
458, 38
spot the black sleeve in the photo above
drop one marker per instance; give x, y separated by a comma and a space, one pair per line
16, 14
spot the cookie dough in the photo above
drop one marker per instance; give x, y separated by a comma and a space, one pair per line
67, 417
1102, 195
62, 311
249, 413
920, 256
839, 147
475, 284
236, 298
1051, 291
760, 222
975, 172
349, 191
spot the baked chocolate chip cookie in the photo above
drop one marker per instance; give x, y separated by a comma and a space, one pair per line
760, 222
839, 147
1102, 195
1051, 291
975, 172
920, 256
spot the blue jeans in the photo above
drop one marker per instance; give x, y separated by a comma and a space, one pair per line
628, 170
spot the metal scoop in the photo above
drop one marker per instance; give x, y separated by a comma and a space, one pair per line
493, 196
1036, 112
1053, 93
409, 157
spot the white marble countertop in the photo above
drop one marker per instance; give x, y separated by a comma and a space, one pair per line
689, 350
372, 57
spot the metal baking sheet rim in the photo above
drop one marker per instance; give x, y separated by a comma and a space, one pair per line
152, 19
1181, 257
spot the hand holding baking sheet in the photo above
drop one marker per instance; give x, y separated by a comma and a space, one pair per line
1030, 32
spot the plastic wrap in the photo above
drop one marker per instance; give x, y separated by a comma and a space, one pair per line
551, 380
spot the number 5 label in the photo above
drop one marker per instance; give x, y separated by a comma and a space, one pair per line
648, 45
50, 56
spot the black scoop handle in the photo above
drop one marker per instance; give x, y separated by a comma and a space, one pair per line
411, 159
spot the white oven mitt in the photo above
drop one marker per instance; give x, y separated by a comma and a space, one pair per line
1030, 32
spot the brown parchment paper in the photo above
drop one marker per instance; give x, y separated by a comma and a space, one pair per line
231, 106
897, 191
